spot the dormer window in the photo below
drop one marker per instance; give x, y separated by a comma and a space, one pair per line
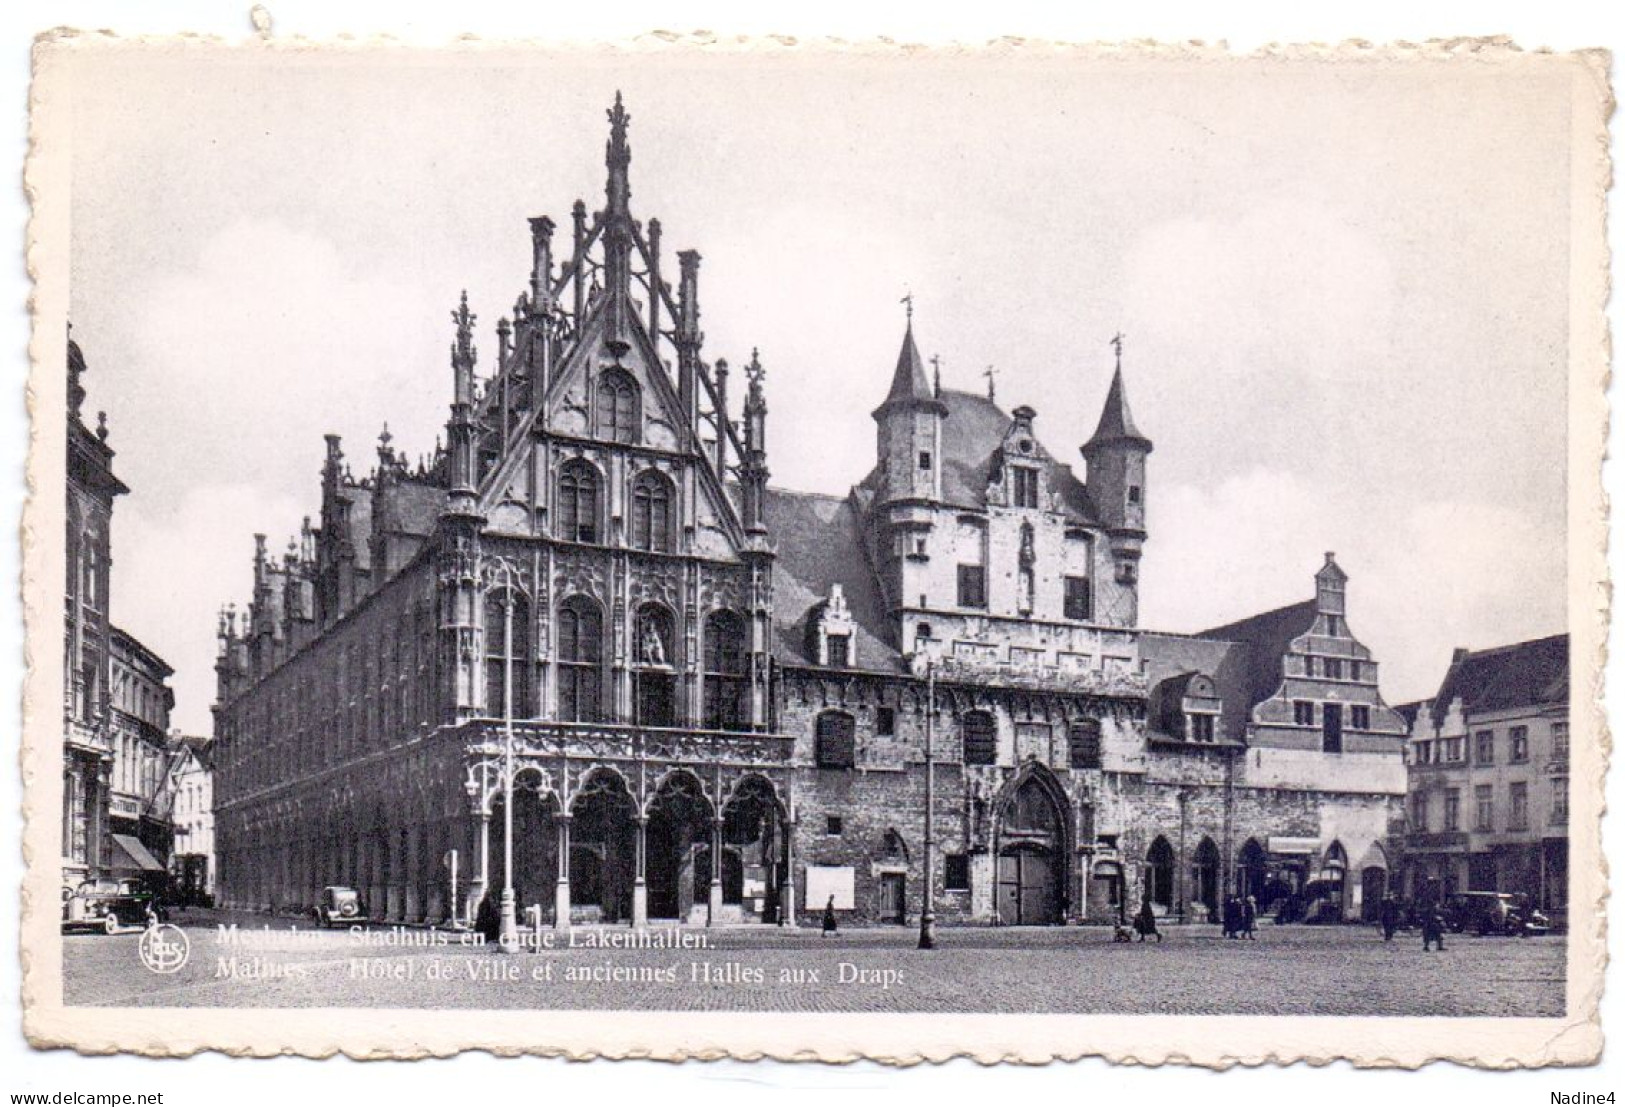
1024, 486
830, 631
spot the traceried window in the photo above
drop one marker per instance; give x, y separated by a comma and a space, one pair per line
617, 406
496, 656
835, 740
577, 503
981, 738
581, 656
651, 512
727, 668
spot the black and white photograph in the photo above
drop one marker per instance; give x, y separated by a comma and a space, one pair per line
728, 538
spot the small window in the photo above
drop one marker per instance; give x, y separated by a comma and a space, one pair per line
1026, 486
1083, 744
1452, 809
1333, 668
835, 741
925, 459
1484, 747
956, 872
972, 586
1127, 572
1079, 600
1133, 493
1360, 717
1518, 806
1202, 728
1331, 728
1519, 744
885, 721
832, 825
1484, 802
1303, 713
839, 651
981, 738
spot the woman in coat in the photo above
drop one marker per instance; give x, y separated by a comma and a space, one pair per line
1146, 921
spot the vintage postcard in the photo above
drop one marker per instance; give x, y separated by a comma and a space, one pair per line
817, 551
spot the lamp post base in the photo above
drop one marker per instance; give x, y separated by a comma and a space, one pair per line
508, 935
928, 930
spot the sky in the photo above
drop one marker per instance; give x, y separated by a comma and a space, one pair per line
1343, 291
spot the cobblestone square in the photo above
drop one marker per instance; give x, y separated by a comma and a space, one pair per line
1289, 970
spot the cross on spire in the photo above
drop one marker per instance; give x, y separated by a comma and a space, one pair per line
908, 308
1117, 345
989, 373
936, 375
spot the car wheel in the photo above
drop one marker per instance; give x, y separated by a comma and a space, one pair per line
110, 923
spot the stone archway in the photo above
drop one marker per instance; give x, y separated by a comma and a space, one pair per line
603, 848
535, 847
678, 834
1033, 852
1204, 890
1159, 876
754, 839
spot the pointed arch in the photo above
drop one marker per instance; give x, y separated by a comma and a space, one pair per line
652, 514
1159, 874
618, 407
577, 504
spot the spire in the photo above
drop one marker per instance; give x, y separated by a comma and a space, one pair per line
618, 157
908, 382
1116, 423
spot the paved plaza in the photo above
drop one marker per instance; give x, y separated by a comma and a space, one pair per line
1289, 970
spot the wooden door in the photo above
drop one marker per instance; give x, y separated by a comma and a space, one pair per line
1026, 889
891, 897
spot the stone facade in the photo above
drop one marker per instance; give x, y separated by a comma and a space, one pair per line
141, 800
87, 723
1489, 777
585, 652
191, 784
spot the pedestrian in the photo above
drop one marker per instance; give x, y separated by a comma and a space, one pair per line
1432, 929
1146, 921
1390, 917
829, 917
1232, 917
1249, 919
487, 921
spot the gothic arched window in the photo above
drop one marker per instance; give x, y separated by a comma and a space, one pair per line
617, 406
727, 661
581, 656
651, 512
576, 510
496, 656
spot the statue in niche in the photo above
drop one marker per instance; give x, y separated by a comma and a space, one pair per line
651, 643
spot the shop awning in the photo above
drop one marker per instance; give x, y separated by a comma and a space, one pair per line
1294, 845
134, 855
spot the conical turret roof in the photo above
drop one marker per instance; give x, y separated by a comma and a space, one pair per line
1116, 424
908, 382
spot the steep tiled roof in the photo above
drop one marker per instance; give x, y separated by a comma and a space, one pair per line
1526, 674
972, 432
819, 544
1265, 639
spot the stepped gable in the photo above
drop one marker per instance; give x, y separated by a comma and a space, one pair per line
819, 544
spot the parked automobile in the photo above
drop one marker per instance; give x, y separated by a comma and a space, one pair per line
108, 905
340, 906
1486, 913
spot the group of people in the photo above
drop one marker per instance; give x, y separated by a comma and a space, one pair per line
1241, 918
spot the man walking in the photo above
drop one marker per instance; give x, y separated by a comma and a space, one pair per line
1432, 929
1390, 917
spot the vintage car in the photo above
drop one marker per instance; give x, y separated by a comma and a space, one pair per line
340, 906
1487, 913
108, 905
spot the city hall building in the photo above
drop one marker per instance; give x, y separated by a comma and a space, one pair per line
694, 696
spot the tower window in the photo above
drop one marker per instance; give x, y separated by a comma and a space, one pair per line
972, 586
1133, 493
1079, 601
925, 459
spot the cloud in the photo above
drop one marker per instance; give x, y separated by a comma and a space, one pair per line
1423, 579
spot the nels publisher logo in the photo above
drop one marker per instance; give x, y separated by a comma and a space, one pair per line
164, 948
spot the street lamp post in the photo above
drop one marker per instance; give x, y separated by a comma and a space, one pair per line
928, 915
508, 934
